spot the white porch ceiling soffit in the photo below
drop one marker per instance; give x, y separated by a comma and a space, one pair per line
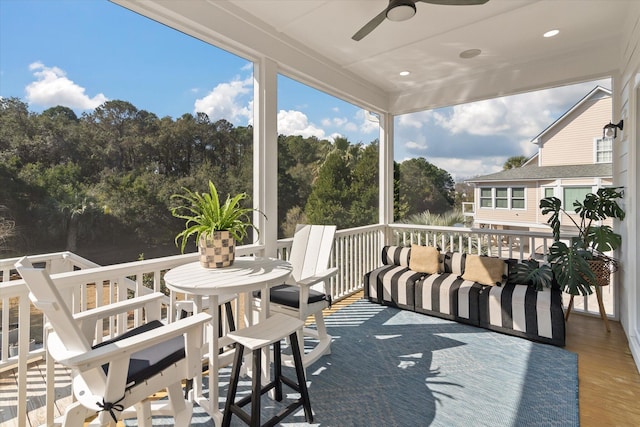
311, 42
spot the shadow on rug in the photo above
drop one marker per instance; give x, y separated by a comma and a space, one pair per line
397, 368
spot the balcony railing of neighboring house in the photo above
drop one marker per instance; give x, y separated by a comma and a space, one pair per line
355, 252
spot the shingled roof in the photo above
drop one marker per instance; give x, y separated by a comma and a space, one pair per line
535, 172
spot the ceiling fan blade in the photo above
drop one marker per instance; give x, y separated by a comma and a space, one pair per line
370, 26
455, 2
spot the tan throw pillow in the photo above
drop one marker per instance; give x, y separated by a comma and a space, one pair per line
484, 270
424, 259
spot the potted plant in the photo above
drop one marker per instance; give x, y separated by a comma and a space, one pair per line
216, 227
583, 264
532, 273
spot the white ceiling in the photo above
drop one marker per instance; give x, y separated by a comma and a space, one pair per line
311, 41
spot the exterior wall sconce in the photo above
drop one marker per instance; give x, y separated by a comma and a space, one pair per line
611, 130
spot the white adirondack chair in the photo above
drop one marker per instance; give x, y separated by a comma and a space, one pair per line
116, 377
306, 292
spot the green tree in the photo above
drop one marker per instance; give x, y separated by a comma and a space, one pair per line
425, 187
7, 229
364, 187
58, 202
330, 200
514, 162
114, 128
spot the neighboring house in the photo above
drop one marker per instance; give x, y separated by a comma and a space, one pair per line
573, 159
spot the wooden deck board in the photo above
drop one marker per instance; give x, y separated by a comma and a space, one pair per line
8, 399
609, 382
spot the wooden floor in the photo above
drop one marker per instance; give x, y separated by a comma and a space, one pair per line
609, 382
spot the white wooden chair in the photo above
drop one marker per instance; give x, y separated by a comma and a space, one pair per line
115, 378
306, 291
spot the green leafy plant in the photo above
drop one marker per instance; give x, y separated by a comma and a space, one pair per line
203, 214
532, 273
570, 263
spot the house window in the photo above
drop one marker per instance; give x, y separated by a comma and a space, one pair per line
548, 192
485, 198
604, 150
517, 198
572, 194
502, 198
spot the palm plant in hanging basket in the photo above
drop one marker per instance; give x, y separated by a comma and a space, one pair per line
216, 227
583, 264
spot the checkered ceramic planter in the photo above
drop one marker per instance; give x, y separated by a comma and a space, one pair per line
217, 250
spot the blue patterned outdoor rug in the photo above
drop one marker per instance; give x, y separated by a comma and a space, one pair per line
397, 368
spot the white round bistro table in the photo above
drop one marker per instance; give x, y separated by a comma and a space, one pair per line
247, 274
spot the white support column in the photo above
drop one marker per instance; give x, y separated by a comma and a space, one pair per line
265, 152
385, 210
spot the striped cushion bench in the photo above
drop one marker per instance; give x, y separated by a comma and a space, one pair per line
522, 311
508, 308
450, 297
393, 283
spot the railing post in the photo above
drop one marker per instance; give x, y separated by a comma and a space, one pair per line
23, 356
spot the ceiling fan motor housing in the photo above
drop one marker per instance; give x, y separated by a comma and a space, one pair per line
400, 10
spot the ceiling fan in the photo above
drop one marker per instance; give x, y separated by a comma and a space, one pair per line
401, 10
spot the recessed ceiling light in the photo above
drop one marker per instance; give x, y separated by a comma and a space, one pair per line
551, 33
404, 73
470, 53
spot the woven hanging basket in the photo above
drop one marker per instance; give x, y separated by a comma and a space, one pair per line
601, 270
217, 250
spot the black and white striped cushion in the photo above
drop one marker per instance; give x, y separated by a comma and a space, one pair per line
392, 285
454, 263
396, 255
522, 311
450, 297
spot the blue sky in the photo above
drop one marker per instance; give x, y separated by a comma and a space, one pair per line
80, 53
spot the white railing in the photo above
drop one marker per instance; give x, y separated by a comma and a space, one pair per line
483, 241
355, 252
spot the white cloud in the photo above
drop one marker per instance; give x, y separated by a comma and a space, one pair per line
340, 123
477, 138
292, 122
524, 115
415, 146
335, 121
478, 118
528, 149
368, 123
350, 127
461, 169
416, 120
53, 88
225, 101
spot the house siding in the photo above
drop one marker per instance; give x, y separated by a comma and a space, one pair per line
534, 192
625, 170
572, 141
527, 215
569, 142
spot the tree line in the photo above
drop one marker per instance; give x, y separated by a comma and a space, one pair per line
99, 184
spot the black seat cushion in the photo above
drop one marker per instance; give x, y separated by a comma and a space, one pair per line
289, 295
146, 363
